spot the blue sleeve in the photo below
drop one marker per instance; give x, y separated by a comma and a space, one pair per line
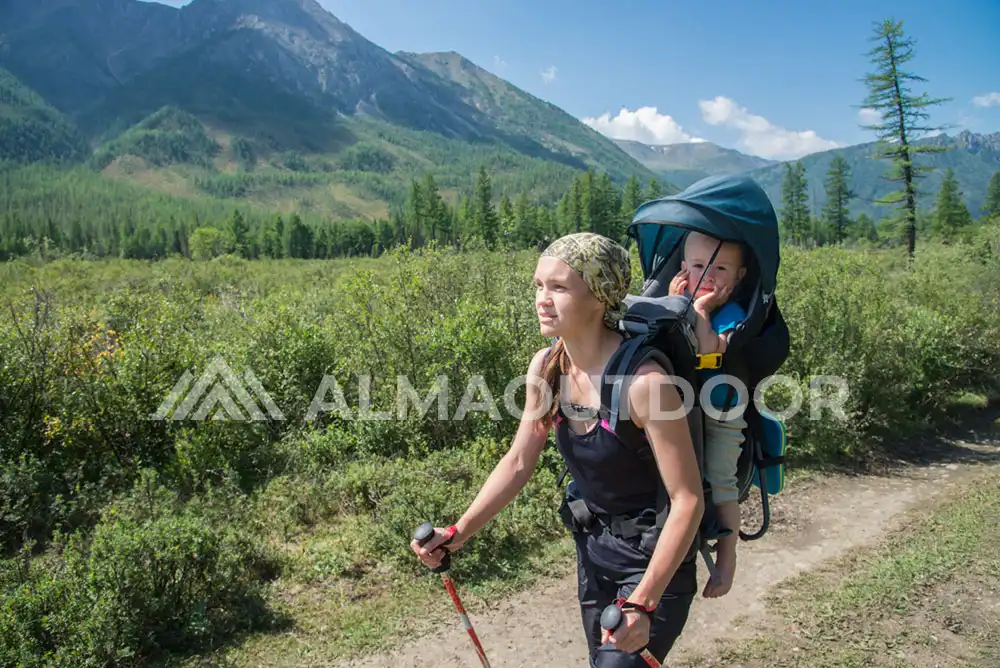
727, 317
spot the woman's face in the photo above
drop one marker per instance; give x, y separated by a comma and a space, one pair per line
563, 302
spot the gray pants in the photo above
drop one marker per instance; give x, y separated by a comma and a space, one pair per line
609, 567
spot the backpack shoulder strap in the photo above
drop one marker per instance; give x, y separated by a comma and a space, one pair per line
618, 376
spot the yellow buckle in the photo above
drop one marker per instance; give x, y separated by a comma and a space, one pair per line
709, 361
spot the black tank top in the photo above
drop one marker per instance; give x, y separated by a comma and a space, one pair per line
610, 476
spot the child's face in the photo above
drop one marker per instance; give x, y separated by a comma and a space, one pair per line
727, 269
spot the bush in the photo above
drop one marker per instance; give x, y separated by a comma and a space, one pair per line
88, 351
153, 576
906, 340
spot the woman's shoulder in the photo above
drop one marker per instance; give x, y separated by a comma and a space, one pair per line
538, 360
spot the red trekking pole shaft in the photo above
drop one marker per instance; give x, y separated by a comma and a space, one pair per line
422, 535
611, 619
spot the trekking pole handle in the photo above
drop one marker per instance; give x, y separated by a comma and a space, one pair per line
611, 619
423, 534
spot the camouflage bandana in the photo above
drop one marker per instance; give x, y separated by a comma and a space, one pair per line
604, 266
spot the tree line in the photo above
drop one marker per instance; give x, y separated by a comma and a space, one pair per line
947, 221
106, 222
54, 214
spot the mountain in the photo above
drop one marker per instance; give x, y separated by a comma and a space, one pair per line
282, 87
522, 115
31, 130
974, 158
683, 164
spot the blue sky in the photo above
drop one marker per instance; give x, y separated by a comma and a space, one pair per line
768, 77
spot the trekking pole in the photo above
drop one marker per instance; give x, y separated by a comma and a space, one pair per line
611, 619
422, 535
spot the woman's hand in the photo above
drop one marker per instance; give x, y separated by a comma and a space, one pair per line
632, 635
432, 552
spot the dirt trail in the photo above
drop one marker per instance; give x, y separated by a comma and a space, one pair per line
811, 522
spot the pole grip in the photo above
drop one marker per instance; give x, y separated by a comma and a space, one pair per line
611, 619
424, 533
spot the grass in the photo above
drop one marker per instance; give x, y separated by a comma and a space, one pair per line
928, 595
333, 619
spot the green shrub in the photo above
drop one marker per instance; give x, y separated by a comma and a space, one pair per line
905, 339
88, 351
153, 576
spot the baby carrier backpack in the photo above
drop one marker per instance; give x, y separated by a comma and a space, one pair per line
661, 327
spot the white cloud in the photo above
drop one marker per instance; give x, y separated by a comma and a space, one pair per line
499, 63
758, 135
549, 74
869, 116
986, 100
645, 124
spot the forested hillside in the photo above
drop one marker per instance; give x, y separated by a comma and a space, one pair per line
973, 159
281, 105
31, 130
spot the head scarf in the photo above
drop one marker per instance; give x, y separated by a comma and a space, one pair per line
604, 266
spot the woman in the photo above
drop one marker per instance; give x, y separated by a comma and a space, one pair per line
580, 282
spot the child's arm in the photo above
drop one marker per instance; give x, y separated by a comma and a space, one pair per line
708, 340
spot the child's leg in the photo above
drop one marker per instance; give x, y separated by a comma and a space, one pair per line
722, 453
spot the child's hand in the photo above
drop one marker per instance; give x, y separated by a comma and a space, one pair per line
713, 299
679, 283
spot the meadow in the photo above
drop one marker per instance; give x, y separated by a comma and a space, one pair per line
128, 539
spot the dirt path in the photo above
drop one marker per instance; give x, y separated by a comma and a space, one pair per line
811, 522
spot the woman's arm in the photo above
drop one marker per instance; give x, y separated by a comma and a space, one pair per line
509, 476
657, 408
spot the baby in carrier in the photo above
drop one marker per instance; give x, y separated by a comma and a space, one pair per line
716, 317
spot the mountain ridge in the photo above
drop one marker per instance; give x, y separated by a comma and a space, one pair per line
296, 46
683, 163
975, 157
285, 86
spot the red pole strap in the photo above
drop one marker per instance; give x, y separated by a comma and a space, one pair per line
466, 622
649, 659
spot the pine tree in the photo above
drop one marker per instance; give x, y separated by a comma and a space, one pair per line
606, 207
631, 199
525, 222
384, 235
438, 218
271, 238
951, 215
588, 202
322, 246
298, 238
506, 218
654, 190
238, 229
416, 213
902, 117
575, 207
836, 212
795, 219
486, 222
863, 228
992, 205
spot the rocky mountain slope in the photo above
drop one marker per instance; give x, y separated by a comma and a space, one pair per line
285, 75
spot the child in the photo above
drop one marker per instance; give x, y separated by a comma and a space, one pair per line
716, 316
